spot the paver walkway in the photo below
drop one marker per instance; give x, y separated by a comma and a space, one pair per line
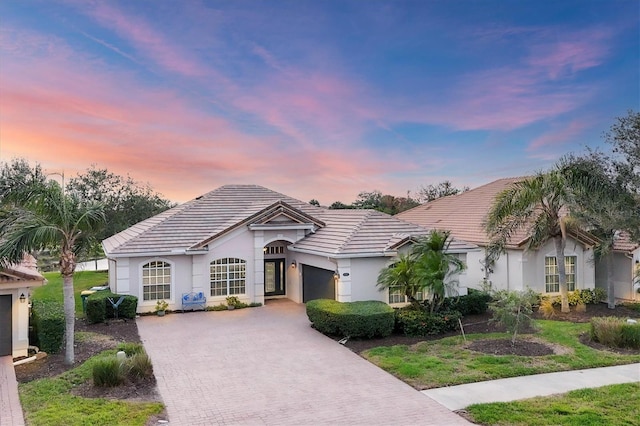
10, 408
267, 366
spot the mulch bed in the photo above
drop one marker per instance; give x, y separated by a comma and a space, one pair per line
479, 324
112, 333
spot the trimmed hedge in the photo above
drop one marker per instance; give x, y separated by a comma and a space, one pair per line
49, 325
354, 319
474, 303
99, 308
412, 322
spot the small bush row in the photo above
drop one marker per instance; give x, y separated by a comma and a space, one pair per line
354, 319
99, 308
616, 332
413, 322
48, 324
110, 372
587, 296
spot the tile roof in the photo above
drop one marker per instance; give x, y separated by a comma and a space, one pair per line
624, 243
462, 214
26, 270
193, 224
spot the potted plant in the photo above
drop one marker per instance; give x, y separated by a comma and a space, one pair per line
232, 301
161, 307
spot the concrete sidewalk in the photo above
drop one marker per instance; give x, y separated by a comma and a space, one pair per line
10, 408
504, 390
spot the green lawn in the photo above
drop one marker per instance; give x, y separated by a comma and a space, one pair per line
446, 362
615, 405
52, 290
49, 401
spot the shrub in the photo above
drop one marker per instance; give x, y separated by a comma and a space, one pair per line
615, 332
413, 322
220, 307
131, 348
49, 325
108, 372
355, 319
513, 310
474, 303
586, 296
546, 308
139, 366
255, 304
99, 308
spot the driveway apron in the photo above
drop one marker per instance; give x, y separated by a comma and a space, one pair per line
267, 366
10, 409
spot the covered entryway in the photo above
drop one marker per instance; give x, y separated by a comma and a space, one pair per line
274, 277
6, 336
317, 283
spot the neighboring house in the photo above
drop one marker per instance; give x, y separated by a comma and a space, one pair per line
254, 243
16, 282
626, 257
464, 215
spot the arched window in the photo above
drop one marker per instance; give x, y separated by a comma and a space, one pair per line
228, 277
156, 280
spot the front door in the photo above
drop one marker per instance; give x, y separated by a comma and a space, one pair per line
274, 277
6, 339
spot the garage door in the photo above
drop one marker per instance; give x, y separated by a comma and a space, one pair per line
317, 283
5, 325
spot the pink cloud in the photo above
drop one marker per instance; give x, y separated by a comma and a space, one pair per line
558, 137
148, 42
571, 53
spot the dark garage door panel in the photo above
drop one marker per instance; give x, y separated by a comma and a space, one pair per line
317, 283
5, 326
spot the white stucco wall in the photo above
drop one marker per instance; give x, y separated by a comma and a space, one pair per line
622, 275
519, 269
364, 277
19, 319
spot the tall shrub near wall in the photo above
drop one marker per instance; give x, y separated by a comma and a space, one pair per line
48, 322
99, 307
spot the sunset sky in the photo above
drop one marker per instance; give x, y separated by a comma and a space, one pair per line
315, 99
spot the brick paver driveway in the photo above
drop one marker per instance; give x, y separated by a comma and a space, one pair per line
267, 366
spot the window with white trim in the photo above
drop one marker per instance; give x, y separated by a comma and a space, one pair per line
156, 280
228, 276
397, 296
551, 277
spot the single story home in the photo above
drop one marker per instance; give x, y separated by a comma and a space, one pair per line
464, 215
16, 282
254, 243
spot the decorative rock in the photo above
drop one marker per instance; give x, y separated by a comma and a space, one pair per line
121, 356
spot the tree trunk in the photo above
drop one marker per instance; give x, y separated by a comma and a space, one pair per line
562, 274
67, 267
611, 291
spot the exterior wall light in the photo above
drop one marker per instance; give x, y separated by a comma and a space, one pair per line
23, 298
294, 263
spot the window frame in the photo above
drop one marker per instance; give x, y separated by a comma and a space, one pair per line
228, 280
171, 275
571, 283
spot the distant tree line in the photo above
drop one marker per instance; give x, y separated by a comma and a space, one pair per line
391, 204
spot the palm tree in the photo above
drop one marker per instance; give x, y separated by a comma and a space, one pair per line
536, 204
435, 266
39, 216
427, 267
601, 203
401, 276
